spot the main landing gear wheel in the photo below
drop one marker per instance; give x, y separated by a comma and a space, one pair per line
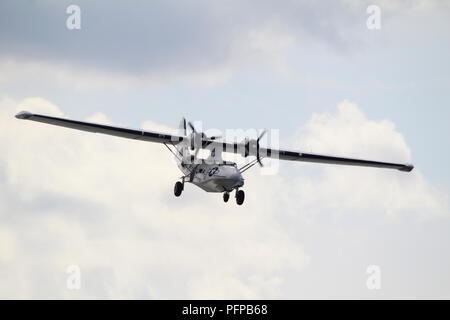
226, 197
178, 189
240, 197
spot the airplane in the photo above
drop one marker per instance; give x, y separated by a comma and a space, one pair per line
211, 174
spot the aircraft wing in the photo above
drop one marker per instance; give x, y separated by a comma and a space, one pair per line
101, 128
249, 149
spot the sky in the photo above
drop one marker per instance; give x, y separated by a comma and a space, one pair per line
313, 70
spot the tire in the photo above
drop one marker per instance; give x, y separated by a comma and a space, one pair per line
240, 197
226, 197
178, 189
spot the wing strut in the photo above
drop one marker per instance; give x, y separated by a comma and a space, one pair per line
249, 165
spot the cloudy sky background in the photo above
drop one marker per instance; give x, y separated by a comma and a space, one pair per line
310, 69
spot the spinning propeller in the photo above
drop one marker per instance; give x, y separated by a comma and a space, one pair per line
195, 141
254, 145
196, 138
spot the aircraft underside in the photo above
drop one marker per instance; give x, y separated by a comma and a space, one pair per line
215, 178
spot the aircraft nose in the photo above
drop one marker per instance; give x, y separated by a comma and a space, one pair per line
236, 176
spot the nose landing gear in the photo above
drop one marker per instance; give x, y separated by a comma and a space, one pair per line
226, 197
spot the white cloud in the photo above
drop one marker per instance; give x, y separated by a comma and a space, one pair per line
348, 132
159, 42
154, 45
106, 204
